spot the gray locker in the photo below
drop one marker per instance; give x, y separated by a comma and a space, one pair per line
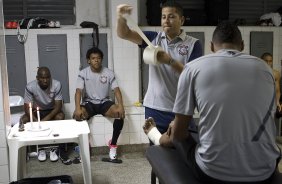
16, 65
86, 42
261, 42
52, 53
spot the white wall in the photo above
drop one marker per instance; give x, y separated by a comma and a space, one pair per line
91, 10
4, 111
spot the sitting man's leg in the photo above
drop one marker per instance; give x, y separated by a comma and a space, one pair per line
151, 131
59, 116
109, 109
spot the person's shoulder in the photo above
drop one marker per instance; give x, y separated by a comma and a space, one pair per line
276, 73
31, 84
107, 70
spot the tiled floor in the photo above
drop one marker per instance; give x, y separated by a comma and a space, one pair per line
135, 169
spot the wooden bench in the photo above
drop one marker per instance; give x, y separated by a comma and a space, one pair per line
170, 169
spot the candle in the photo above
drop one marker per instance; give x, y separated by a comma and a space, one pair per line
38, 117
30, 115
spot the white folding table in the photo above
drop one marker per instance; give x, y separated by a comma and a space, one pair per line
62, 131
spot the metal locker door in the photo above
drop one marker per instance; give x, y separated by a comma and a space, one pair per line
15, 65
261, 42
86, 42
52, 53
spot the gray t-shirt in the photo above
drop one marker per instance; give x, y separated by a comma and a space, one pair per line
96, 85
163, 78
44, 99
233, 92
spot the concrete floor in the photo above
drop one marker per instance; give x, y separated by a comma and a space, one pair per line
135, 168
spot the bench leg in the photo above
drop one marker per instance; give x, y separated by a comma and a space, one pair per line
153, 177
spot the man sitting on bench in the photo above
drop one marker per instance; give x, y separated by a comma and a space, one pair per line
235, 95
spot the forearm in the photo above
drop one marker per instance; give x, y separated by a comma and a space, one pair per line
51, 115
77, 98
179, 130
118, 96
122, 27
177, 66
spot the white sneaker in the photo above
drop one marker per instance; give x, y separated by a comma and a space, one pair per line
113, 152
42, 155
53, 155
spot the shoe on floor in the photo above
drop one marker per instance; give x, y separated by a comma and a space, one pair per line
113, 152
53, 155
42, 155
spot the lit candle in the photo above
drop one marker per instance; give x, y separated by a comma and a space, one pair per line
38, 117
30, 115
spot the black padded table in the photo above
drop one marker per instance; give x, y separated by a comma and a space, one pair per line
170, 169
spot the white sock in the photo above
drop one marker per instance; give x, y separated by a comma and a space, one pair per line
154, 135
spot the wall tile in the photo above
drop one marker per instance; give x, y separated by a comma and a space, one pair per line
134, 138
4, 156
4, 174
3, 142
98, 140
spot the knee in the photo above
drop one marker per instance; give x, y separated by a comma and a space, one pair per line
60, 116
24, 118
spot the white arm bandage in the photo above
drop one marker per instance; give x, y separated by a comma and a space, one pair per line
154, 135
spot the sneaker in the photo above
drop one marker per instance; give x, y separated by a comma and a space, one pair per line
53, 155
113, 152
42, 155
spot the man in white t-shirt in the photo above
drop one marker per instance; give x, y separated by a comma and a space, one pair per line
235, 95
92, 88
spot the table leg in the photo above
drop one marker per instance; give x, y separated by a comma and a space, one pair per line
14, 156
85, 158
22, 162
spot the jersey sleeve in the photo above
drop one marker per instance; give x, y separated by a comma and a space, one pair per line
58, 92
151, 35
80, 80
197, 51
28, 94
113, 81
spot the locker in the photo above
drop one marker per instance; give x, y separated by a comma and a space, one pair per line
52, 53
15, 65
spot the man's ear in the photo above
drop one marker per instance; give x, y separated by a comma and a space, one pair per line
182, 20
88, 61
242, 45
212, 46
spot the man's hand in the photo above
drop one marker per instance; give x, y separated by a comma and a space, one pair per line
78, 115
124, 9
163, 57
120, 111
279, 107
166, 140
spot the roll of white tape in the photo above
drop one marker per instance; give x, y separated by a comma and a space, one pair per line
150, 55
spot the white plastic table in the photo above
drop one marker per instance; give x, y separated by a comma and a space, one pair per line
67, 130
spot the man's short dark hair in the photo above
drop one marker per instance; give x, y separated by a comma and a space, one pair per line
173, 4
94, 50
41, 69
227, 32
265, 54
